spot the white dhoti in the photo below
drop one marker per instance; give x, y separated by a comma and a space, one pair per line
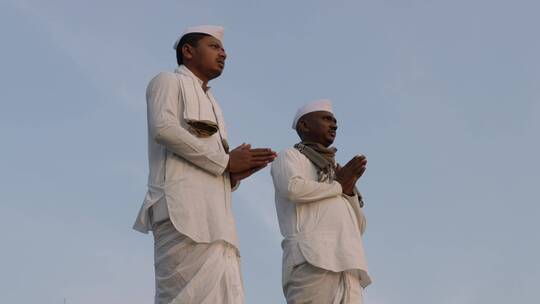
313, 285
194, 273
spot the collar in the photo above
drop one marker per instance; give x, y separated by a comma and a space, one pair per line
182, 69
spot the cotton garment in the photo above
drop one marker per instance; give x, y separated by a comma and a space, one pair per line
312, 285
194, 273
314, 106
320, 225
187, 182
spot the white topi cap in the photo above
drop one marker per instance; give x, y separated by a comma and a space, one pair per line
212, 30
314, 106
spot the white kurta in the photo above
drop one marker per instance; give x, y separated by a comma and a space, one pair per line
320, 225
187, 181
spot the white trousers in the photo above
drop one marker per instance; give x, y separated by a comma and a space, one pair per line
313, 285
194, 273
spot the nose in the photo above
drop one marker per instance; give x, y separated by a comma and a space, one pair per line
223, 53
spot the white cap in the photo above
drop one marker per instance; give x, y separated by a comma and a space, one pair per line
212, 30
314, 106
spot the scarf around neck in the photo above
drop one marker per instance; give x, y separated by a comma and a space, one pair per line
323, 158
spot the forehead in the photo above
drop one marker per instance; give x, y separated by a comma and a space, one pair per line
322, 114
211, 39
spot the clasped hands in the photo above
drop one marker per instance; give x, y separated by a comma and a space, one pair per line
244, 161
350, 173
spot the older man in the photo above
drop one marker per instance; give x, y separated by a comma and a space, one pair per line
320, 215
192, 172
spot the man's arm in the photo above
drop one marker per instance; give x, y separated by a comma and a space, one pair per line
164, 125
290, 181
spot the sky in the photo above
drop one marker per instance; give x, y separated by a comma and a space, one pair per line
442, 96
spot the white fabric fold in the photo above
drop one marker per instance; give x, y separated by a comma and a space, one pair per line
194, 273
198, 105
314, 285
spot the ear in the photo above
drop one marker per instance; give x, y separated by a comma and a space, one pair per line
187, 52
303, 127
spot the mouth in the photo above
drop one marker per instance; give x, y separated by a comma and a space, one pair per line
332, 133
221, 63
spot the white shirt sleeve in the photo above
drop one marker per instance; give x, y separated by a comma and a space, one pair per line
164, 124
292, 180
354, 200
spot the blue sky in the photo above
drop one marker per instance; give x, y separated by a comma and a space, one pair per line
442, 96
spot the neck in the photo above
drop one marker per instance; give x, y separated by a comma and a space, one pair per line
314, 141
199, 75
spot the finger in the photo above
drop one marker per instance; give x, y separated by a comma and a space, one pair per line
354, 160
263, 157
258, 168
350, 162
255, 155
262, 152
360, 172
355, 165
257, 163
239, 147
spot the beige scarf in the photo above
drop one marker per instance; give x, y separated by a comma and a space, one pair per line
323, 158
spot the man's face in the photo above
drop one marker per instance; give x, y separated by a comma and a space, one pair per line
318, 127
209, 57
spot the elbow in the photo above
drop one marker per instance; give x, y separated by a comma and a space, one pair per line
154, 134
297, 192
159, 135
292, 197
292, 193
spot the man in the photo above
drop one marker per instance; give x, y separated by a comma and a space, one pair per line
192, 173
320, 216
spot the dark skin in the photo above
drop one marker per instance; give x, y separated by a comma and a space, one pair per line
207, 60
321, 127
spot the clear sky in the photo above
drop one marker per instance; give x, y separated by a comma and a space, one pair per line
442, 96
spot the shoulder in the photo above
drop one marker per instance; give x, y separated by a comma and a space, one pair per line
289, 155
163, 79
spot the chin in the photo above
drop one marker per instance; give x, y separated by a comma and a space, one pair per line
326, 144
215, 73
329, 142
